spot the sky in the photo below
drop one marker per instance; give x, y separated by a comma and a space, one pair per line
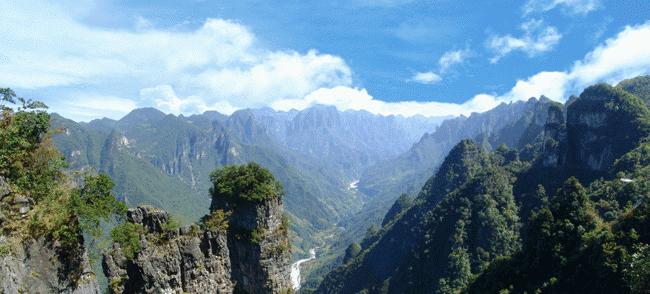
90, 59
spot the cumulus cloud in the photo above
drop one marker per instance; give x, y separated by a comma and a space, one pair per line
537, 38
570, 6
426, 78
618, 58
164, 98
47, 47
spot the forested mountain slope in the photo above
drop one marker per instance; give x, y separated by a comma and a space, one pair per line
566, 214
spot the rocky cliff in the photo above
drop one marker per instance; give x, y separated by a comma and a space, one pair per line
36, 264
170, 261
257, 228
38, 267
241, 246
259, 247
603, 124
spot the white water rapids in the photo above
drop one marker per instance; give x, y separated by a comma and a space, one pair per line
295, 269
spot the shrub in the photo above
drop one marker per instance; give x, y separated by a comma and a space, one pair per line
248, 182
128, 236
217, 220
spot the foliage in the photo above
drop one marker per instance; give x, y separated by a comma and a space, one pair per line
257, 236
249, 182
27, 157
94, 202
5, 249
60, 210
464, 217
637, 273
217, 220
351, 252
402, 203
639, 86
128, 236
462, 233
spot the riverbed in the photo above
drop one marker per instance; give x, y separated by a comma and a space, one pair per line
295, 269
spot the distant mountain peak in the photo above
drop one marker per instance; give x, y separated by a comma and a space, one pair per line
143, 114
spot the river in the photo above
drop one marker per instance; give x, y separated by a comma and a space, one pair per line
295, 269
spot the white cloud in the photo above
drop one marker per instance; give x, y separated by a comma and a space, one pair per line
85, 106
623, 56
537, 39
220, 66
570, 6
346, 98
165, 99
45, 46
451, 58
620, 57
280, 75
428, 78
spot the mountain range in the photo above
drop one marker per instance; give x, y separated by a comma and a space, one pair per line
318, 153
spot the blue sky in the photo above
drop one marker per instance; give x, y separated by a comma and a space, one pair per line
89, 59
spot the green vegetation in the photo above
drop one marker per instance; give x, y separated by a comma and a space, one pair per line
94, 202
257, 235
46, 201
4, 249
513, 221
639, 86
249, 182
128, 236
351, 252
217, 220
283, 230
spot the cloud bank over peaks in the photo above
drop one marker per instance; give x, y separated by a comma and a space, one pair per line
618, 58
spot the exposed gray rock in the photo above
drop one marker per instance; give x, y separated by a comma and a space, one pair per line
187, 261
603, 124
149, 217
554, 134
204, 261
4, 188
24, 203
38, 267
260, 264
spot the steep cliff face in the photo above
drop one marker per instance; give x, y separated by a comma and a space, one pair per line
554, 145
603, 124
257, 230
37, 267
259, 247
37, 264
242, 245
170, 261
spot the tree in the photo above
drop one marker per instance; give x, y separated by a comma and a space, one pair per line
249, 182
94, 202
